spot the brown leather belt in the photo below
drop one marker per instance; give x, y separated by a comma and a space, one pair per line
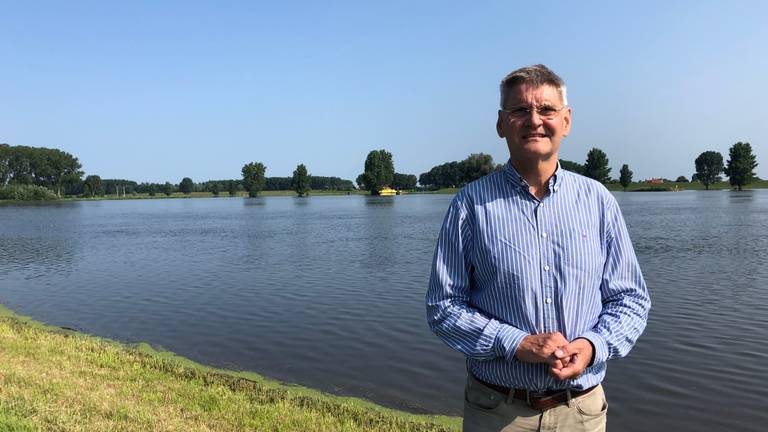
540, 401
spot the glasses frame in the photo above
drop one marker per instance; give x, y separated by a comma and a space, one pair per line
528, 110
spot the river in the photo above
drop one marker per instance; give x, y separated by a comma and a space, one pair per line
328, 292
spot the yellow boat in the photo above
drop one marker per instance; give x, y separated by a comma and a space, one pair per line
388, 191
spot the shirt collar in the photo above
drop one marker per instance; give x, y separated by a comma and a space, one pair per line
517, 181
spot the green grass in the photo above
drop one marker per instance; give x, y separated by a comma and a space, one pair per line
57, 380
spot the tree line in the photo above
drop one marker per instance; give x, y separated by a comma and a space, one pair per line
254, 181
38, 166
739, 168
93, 185
458, 173
23, 169
708, 166
59, 171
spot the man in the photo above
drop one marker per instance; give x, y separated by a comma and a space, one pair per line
534, 277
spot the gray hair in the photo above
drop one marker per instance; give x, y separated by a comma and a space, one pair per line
536, 75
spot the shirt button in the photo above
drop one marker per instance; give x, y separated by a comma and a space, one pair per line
544, 235
548, 300
546, 268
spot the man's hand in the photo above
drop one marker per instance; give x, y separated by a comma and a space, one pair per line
578, 353
540, 348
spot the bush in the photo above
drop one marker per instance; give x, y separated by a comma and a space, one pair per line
27, 193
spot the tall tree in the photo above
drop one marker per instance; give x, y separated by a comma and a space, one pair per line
51, 168
5, 169
167, 189
232, 187
625, 176
54, 168
596, 166
709, 165
93, 186
379, 170
475, 166
186, 186
254, 178
360, 180
741, 164
20, 165
300, 180
214, 188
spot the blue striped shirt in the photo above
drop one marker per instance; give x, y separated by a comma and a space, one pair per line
508, 265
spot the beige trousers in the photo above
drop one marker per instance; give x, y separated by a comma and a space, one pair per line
486, 410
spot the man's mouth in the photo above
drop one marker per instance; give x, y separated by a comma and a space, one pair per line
535, 135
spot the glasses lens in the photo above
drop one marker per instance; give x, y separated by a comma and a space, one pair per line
545, 112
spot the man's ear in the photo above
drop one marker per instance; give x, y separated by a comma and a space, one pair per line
499, 129
567, 122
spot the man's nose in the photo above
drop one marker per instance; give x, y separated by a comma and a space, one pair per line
533, 118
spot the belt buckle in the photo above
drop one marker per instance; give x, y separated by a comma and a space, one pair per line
542, 396
534, 394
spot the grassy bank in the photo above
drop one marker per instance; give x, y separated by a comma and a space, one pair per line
57, 380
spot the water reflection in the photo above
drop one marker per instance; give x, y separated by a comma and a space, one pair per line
380, 201
301, 201
741, 197
254, 201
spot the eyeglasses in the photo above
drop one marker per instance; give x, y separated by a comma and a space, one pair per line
547, 112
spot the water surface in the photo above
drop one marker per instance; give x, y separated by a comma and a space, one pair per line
328, 292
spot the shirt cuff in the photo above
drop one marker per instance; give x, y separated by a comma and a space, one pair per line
600, 354
507, 340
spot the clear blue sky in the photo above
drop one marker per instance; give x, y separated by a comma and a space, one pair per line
155, 91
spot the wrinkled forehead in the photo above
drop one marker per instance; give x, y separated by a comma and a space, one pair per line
532, 94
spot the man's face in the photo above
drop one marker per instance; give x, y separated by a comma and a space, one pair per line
531, 136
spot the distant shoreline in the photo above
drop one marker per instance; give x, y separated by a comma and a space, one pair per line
613, 187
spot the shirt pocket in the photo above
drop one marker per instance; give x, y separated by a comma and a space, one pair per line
582, 252
510, 259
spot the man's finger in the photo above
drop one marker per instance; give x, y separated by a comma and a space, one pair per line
572, 370
559, 363
568, 372
565, 351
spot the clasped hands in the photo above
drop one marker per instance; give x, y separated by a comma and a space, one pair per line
566, 360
